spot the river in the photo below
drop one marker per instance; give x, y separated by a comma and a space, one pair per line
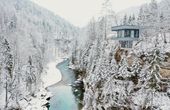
63, 98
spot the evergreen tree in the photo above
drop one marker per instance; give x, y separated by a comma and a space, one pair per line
133, 20
30, 76
130, 20
7, 68
153, 13
125, 20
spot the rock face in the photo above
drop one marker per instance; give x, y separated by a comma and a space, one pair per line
165, 67
165, 72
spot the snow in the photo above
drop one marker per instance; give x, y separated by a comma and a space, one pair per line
52, 75
36, 103
2, 100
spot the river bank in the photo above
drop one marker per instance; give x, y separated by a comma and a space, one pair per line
62, 94
52, 74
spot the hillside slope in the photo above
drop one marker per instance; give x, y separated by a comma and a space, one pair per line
136, 78
30, 37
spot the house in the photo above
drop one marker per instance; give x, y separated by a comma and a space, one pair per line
126, 35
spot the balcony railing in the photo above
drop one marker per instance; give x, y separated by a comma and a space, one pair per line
126, 39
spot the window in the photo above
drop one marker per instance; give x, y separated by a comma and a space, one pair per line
127, 33
122, 43
136, 33
132, 34
126, 44
121, 33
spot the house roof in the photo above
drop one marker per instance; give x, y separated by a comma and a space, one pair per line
116, 28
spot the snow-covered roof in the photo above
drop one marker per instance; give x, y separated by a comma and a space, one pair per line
111, 36
116, 28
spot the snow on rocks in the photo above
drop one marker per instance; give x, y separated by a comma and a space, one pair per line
37, 102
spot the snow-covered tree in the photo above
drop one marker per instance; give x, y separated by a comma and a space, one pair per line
28, 30
125, 20
6, 68
130, 20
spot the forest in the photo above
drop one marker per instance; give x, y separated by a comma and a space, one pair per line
121, 79
113, 78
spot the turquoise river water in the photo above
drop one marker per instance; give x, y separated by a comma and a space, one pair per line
63, 98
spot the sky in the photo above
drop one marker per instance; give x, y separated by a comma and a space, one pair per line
79, 12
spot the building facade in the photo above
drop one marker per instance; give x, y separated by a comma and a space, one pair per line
126, 35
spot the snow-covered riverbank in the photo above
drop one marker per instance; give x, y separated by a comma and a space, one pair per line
52, 74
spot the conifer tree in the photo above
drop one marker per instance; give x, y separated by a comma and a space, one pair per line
7, 68
125, 20
30, 76
130, 20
